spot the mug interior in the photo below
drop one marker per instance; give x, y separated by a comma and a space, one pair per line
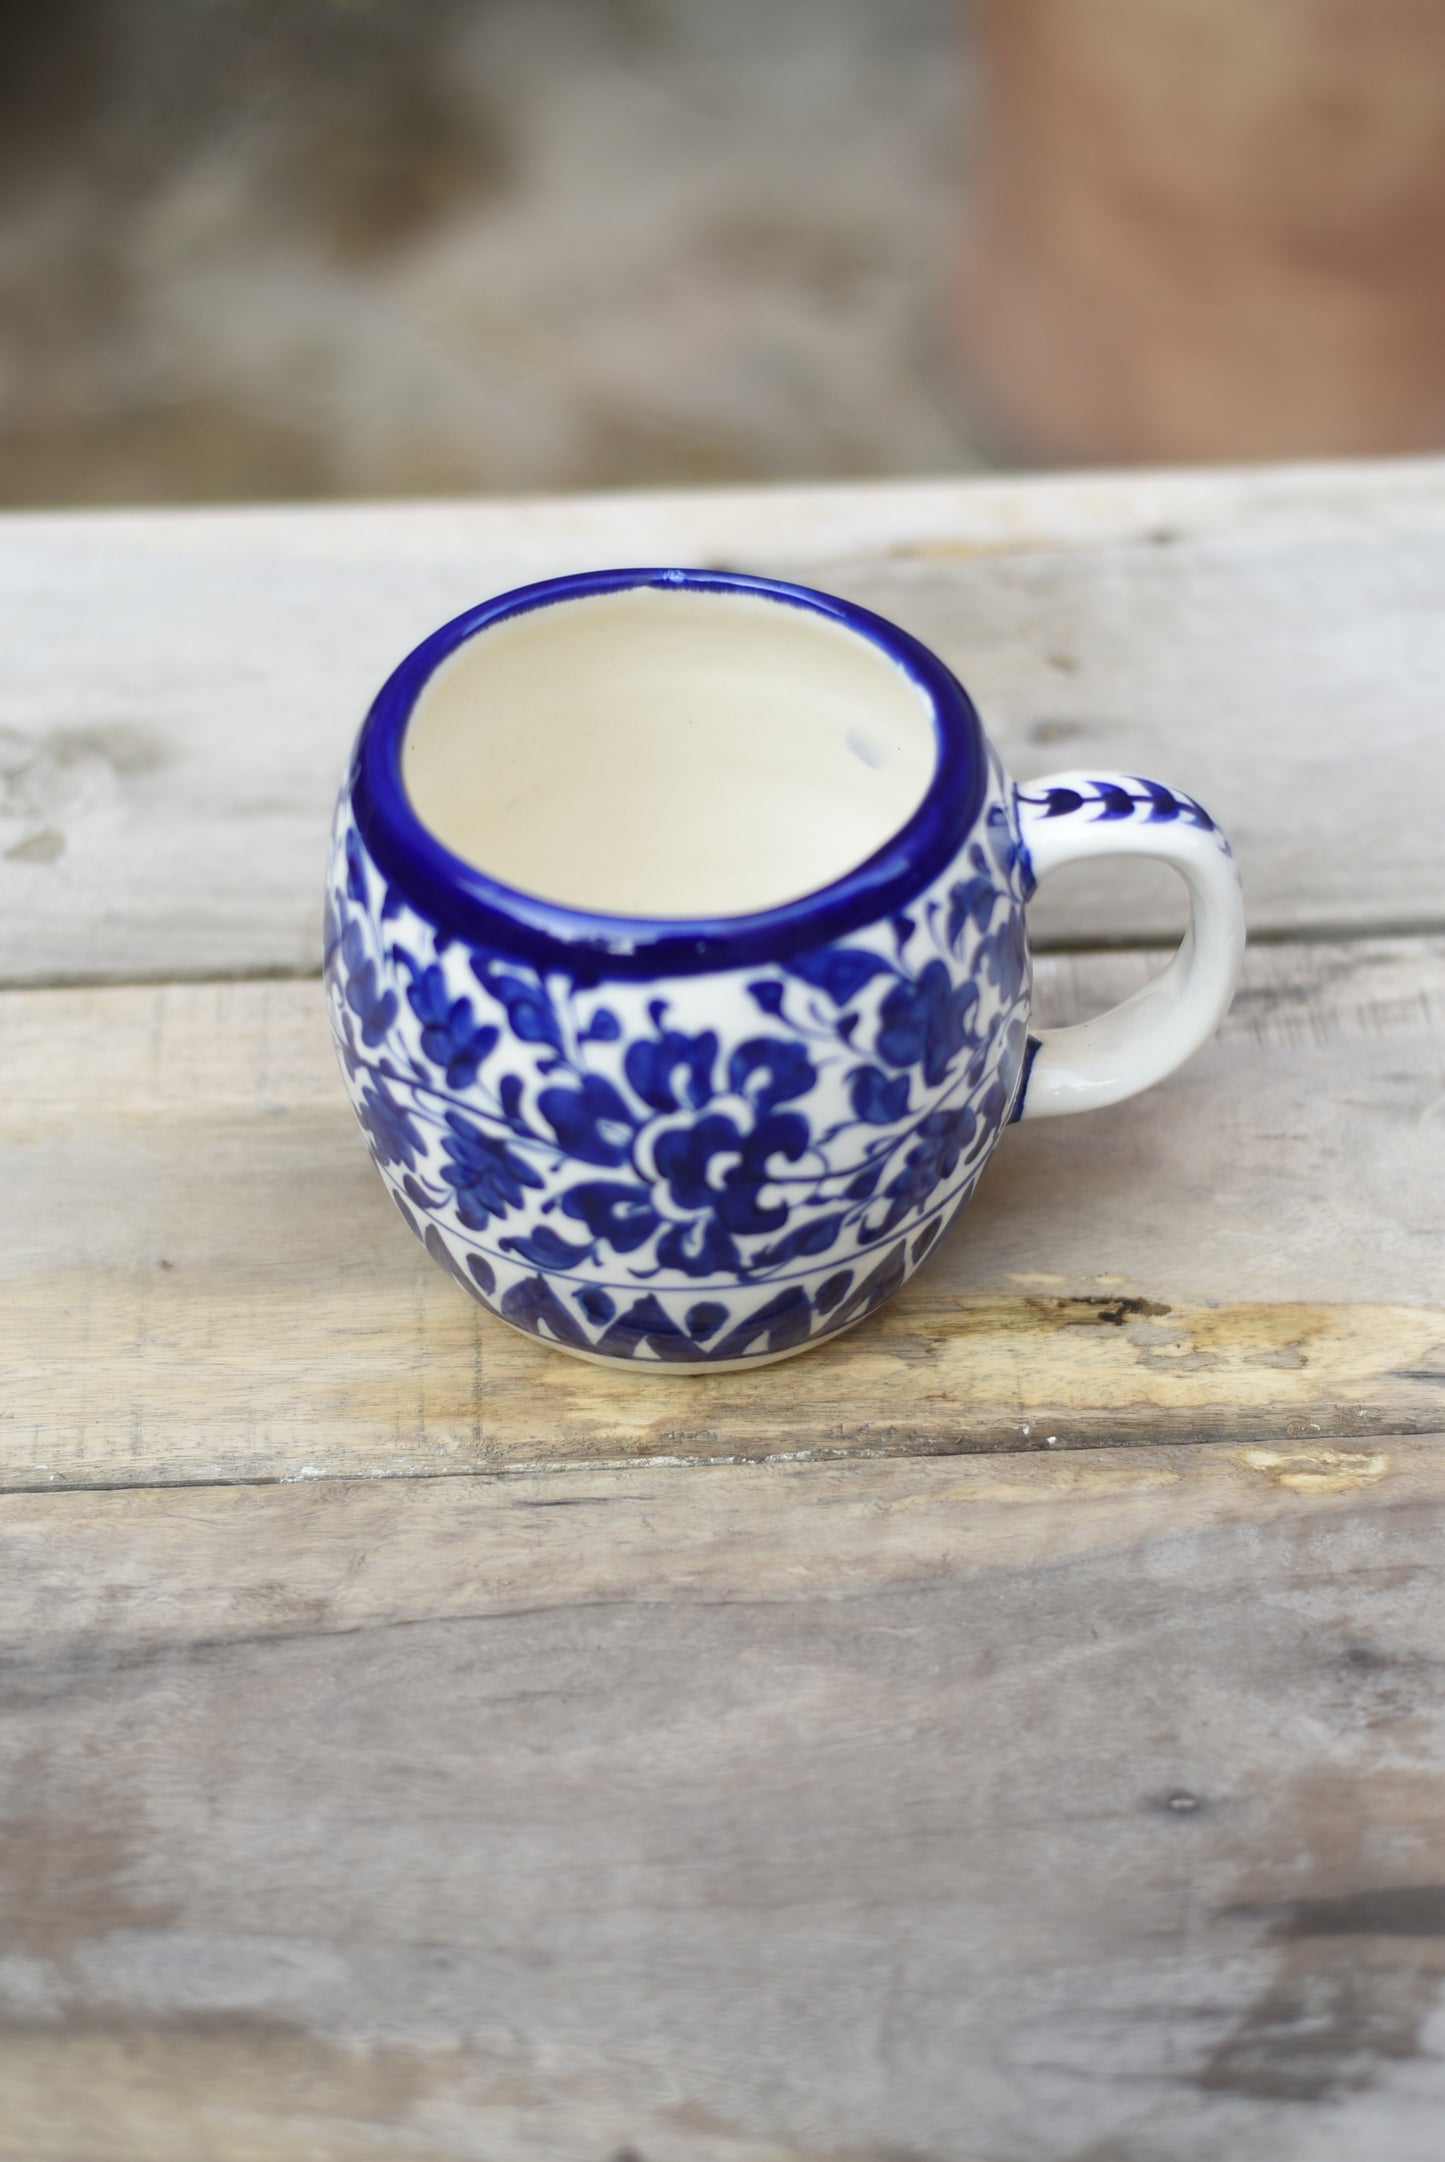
669, 752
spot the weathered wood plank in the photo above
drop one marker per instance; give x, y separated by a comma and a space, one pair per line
1056, 1808
181, 688
202, 1279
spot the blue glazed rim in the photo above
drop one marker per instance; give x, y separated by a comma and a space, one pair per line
465, 902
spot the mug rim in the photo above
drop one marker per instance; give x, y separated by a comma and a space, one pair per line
465, 901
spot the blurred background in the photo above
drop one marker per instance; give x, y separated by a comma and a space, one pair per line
304, 248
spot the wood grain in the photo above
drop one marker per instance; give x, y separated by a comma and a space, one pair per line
871, 1758
1051, 1808
182, 687
202, 1279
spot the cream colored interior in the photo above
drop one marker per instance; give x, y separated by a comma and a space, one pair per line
664, 752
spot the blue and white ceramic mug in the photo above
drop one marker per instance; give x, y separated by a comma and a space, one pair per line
676, 957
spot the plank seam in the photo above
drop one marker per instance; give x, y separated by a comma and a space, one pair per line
1355, 1437
1320, 934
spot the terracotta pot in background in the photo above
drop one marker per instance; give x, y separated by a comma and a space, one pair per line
1209, 228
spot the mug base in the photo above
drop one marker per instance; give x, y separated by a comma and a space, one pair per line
700, 1369
693, 1369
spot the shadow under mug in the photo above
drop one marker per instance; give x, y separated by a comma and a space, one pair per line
676, 958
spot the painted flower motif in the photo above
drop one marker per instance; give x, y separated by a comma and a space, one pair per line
671, 1069
355, 868
877, 1098
530, 1013
942, 1137
451, 1036
392, 1135
590, 1119
489, 1178
619, 1212
1003, 957
709, 1193
770, 1070
718, 1179
374, 1007
926, 1022
704, 1164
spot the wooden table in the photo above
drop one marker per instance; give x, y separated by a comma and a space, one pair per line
1014, 1735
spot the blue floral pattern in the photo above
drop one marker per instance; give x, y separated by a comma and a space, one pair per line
610, 1168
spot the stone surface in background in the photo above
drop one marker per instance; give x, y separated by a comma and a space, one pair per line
290, 248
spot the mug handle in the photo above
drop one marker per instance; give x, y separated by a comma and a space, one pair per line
1078, 817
